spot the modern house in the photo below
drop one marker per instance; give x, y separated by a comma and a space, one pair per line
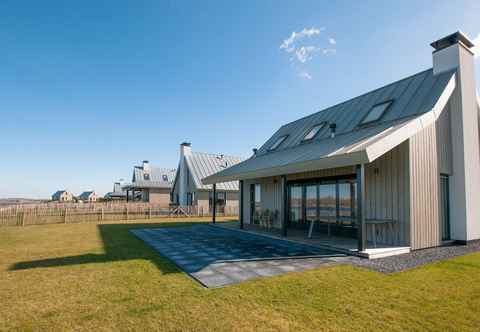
88, 196
188, 189
398, 166
62, 196
150, 185
118, 193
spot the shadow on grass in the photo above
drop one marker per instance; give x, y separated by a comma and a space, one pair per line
119, 245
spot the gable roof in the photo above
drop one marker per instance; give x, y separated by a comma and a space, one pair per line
202, 165
155, 179
86, 194
416, 102
58, 194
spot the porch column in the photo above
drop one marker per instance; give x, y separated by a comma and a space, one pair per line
362, 227
127, 195
284, 212
214, 203
240, 212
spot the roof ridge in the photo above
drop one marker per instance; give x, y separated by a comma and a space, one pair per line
361, 95
215, 154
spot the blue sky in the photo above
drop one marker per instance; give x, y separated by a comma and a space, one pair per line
88, 88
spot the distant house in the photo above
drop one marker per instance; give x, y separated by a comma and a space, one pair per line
88, 196
118, 193
150, 184
188, 189
402, 159
62, 196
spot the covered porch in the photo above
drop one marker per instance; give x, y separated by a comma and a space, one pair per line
361, 209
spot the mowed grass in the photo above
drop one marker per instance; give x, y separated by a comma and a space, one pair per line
88, 277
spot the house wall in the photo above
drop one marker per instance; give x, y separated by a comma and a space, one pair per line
159, 197
425, 189
202, 200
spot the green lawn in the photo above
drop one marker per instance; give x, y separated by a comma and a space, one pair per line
99, 277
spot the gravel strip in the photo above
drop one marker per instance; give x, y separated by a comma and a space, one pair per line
418, 257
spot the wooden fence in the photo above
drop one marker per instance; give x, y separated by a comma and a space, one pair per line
101, 212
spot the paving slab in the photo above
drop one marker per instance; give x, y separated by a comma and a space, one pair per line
217, 257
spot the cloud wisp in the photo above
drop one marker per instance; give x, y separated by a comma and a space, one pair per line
304, 45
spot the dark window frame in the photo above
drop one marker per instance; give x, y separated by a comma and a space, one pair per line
276, 145
389, 102
321, 125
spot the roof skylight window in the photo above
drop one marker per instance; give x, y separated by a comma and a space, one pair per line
277, 143
313, 131
376, 112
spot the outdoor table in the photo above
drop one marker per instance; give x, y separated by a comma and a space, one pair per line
334, 220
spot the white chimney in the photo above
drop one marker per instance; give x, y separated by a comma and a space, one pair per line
185, 150
146, 166
454, 52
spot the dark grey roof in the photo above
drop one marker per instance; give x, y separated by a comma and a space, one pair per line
202, 165
154, 180
57, 194
85, 194
411, 98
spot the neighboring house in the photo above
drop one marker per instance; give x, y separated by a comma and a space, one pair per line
62, 196
150, 184
402, 159
188, 189
88, 196
118, 194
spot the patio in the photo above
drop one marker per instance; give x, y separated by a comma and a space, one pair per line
347, 245
218, 256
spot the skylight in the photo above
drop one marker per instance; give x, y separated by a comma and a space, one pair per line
277, 143
376, 112
313, 131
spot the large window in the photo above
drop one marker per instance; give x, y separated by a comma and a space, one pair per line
329, 201
221, 200
255, 202
376, 112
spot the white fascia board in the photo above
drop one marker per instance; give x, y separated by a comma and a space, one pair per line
341, 160
382, 146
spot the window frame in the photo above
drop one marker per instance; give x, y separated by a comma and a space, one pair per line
281, 139
389, 102
321, 125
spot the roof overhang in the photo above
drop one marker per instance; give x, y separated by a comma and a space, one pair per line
362, 152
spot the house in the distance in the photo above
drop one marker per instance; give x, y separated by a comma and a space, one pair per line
118, 193
62, 196
188, 189
150, 185
88, 196
397, 167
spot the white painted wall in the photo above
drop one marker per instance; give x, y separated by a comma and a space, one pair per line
185, 150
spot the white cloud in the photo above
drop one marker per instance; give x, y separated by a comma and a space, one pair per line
305, 75
305, 53
303, 46
328, 51
295, 36
476, 48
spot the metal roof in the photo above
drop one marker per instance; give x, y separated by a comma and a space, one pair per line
57, 194
85, 194
202, 165
414, 98
155, 179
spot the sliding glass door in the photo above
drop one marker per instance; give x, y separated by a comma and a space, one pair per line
327, 201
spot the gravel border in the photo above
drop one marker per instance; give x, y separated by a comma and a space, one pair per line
418, 257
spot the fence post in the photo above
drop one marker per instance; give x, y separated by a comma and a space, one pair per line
103, 216
126, 212
23, 218
149, 212
65, 216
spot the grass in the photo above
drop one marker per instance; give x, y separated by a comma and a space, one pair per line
99, 277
